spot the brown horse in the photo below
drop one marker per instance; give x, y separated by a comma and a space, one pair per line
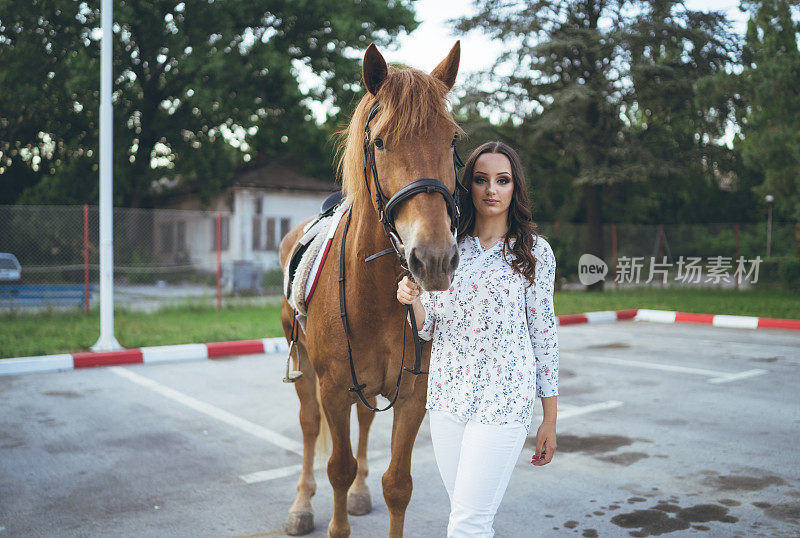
412, 134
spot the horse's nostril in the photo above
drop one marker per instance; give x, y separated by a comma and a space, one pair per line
454, 261
413, 260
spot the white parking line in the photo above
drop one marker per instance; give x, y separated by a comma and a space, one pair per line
716, 376
212, 411
737, 376
289, 470
569, 411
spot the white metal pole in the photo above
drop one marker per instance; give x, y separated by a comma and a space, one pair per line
106, 342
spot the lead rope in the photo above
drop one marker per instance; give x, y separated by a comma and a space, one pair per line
359, 387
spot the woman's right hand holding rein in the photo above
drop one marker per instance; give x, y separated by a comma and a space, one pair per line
408, 292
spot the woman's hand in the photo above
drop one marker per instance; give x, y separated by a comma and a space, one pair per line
545, 444
408, 291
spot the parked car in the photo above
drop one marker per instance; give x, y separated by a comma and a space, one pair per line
10, 268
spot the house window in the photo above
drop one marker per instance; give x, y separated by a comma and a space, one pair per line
271, 234
259, 204
257, 233
284, 227
165, 231
225, 233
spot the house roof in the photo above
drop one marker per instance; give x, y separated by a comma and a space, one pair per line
283, 174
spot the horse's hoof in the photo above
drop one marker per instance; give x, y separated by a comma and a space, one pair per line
359, 504
300, 523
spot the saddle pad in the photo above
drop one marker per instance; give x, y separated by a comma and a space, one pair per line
307, 273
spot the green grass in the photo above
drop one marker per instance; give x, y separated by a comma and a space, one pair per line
42, 334
45, 334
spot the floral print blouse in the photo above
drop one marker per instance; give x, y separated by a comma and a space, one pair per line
495, 344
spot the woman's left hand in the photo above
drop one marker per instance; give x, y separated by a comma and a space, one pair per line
545, 443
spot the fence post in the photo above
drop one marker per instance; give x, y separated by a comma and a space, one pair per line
614, 254
660, 251
796, 237
86, 256
736, 257
219, 261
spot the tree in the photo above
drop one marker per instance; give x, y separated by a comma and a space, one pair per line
767, 103
597, 81
673, 136
564, 88
199, 88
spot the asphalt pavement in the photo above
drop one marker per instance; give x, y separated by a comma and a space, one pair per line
662, 429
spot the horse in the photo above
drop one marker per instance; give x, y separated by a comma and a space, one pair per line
403, 125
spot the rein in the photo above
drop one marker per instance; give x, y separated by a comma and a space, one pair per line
386, 210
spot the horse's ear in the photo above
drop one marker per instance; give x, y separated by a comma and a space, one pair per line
374, 70
448, 69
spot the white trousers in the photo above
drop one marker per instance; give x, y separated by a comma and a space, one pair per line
475, 461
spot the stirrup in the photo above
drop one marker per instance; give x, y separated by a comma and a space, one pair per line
293, 375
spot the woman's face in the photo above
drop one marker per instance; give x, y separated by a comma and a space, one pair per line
492, 185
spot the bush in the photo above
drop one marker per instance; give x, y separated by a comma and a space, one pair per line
789, 272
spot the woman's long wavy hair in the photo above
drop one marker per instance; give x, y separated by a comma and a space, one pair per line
521, 227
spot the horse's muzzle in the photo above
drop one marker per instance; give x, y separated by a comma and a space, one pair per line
433, 268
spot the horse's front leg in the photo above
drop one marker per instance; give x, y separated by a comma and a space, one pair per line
341, 465
397, 484
359, 502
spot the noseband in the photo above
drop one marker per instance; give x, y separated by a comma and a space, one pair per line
387, 207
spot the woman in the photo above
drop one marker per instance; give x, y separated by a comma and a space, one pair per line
495, 346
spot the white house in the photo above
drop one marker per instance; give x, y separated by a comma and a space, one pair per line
263, 204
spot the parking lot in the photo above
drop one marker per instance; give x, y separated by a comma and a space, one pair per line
661, 428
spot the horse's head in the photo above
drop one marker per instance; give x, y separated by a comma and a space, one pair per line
402, 132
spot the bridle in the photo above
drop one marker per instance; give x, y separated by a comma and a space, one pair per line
386, 207
386, 210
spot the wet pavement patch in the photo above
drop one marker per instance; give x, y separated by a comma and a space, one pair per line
729, 502
63, 394
785, 512
741, 482
665, 506
702, 513
590, 444
9, 441
767, 359
657, 520
649, 522
611, 345
624, 458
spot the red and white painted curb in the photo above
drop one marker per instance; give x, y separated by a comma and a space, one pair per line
214, 350
596, 317
730, 322
146, 355
668, 316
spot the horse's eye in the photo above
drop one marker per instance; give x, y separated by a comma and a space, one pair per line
378, 143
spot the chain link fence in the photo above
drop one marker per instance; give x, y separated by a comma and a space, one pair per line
716, 251
164, 256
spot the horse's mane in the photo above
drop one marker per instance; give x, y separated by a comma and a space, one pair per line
411, 101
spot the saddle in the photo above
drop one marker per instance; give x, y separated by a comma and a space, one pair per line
308, 256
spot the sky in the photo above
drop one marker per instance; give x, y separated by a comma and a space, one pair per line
429, 44
431, 41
